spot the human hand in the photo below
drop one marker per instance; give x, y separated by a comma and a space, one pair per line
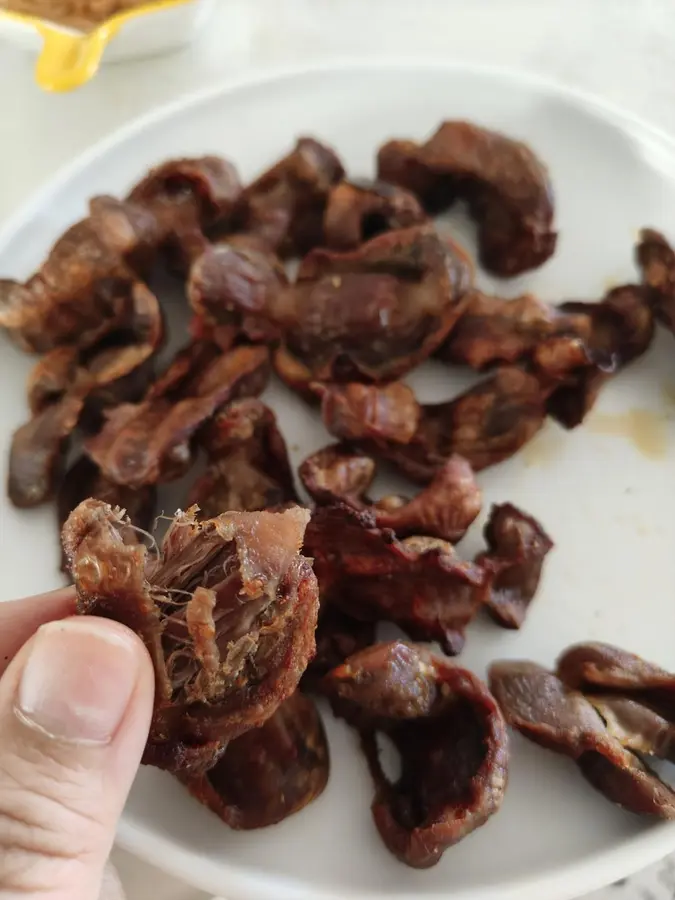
76, 698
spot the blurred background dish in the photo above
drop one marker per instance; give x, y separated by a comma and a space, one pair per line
68, 57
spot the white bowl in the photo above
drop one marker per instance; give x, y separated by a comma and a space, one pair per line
68, 58
606, 500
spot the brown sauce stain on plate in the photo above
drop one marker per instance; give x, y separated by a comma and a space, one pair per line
543, 448
646, 429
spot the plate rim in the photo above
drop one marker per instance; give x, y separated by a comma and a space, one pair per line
563, 882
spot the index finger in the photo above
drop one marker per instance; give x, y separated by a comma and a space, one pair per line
19, 619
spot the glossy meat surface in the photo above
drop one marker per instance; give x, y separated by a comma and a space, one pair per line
285, 206
235, 285
486, 424
358, 210
270, 772
227, 610
364, 412
656, 259
60, 303
248, 467
151, 441
445, 509
505, 185
187, 196
598, 667
539, 705
493, 331
621, 329
38, 451
517, 548
373, 313
419, 582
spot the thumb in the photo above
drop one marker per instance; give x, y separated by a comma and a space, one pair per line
75, 708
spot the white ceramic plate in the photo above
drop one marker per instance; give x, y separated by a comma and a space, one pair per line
605, 492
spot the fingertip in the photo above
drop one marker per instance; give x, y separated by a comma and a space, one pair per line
20, 619
114, 631
142, 699
75, 708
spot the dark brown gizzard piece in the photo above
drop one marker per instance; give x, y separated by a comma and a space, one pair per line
597, 665
118, 379
573, 348
69, 299
621, 329
72, 385
270, 772
102, 375
595, 668
112, 368
152, 441
285, 206
38, 452
366, 412
539, 705
370, 314
338, 474
450, 737
493, 331
486, 424
398, 163
624, 779
248, 465
227, 610
445, 509
52, 376
418, 583
60, 303
358, 210
636, 727
517, 548
234, 285
132, 230
208, 184
656, 260
504, 183
338, 636
187, 196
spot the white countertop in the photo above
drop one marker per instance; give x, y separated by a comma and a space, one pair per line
621, 50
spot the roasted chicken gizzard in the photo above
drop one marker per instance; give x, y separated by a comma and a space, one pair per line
227, 610
505, 185
450, 737
605, 708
